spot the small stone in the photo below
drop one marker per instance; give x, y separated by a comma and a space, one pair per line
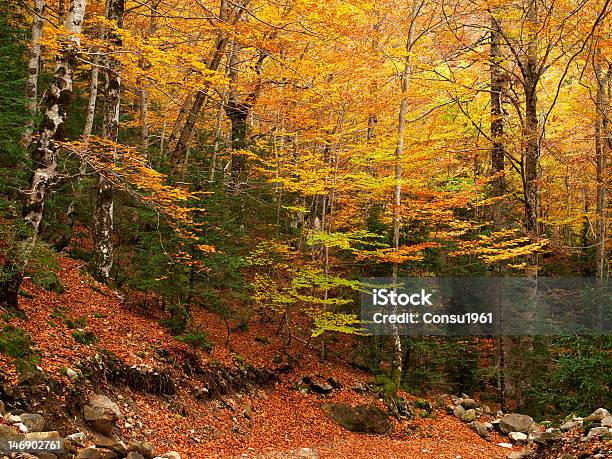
469, 403
505, 445
547, 437
78, 438
480, 428
171, 455
515, 422
12, 419
22, 427
134, 455
459, 411
520, 454
469, 415
73, 375
308, 453
518, 438
101, 413
570, 425
143, 448
95, 453
110, 443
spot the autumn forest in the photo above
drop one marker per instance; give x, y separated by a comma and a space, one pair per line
227, 171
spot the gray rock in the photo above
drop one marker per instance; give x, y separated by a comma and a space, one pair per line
362, 418
469, 415
598, 415
101, 413
73, 375
515, 422
469, 403
597, 432
78, 438
144, 448
41, 436
8, 431
308, 453
134, 455
95, 453
521, 454
110, 443
570, 425
607, 421
171, 455
545, 438
518, 438
34, 422
459, 411
480, 428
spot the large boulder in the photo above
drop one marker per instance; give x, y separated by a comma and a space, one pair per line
515, 422
101, 413
362, 418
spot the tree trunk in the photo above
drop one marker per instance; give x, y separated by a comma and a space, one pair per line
602, 146
497, 123
57, 100
33, 68
182, 141
531, 132
93, 96
396, 371
103, 218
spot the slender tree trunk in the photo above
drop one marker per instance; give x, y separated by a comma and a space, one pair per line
497, 123
33, 70
103, 217
531, 132
182, 140
396, 373
602, 147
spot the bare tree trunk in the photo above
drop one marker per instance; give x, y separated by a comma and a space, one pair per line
396, 372
33, 70
602, 146
531, 132
103, 217
497, 122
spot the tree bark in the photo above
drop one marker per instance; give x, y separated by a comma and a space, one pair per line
531, 133
93, 96
180, 142
33, 70
497, 123
57, 100
602, 147
396, 371
103, 218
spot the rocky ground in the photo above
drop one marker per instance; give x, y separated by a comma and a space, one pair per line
109, 380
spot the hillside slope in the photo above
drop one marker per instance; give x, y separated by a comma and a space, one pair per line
252, 418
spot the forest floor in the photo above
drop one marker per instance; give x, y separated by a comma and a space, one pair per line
280, 421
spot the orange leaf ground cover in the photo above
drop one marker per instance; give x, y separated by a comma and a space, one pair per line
282, 420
